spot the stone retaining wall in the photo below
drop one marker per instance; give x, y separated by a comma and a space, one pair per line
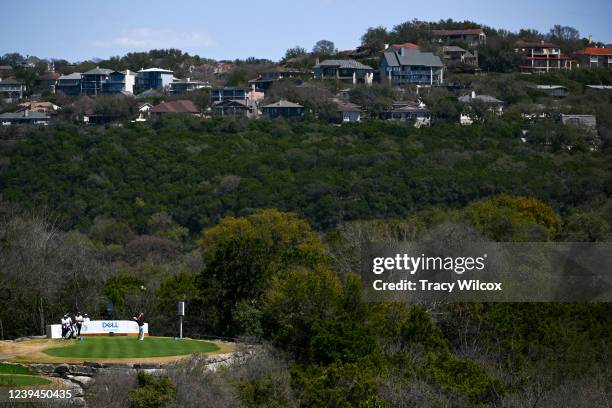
79, 377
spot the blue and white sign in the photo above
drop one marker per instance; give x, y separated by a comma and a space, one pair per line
101, 327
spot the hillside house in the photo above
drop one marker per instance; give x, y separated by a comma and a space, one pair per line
5, 71
411, 67
235, 108
534, 112
348, 112
24, 117
12, 90
92, 81
41, 107
122, 81
265, 79
143, 112
284, 109
107, 81
494, 105
346, 70
594, 57
178, 106
227, 93
542, 57
153, 78
459, 55
600, 87
179, 86
586, 122
472, 36
69, 84
48, 81
558, 91
238, 93
415, 113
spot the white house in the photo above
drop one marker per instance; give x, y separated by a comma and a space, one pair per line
348, 112
494, 105
143, 112
130, 80
153, 78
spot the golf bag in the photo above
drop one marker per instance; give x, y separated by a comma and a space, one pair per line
71, 332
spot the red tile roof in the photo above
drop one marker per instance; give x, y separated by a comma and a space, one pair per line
50, 75
180, 106
595, 51
465, 31
406, 46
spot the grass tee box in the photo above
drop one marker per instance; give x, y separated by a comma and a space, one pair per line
128, 347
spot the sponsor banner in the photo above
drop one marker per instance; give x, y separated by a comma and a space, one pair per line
101, 327
443, 271
115, 326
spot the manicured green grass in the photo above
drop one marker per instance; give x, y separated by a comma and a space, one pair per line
20, 380
14, 369
130, 347
16, 375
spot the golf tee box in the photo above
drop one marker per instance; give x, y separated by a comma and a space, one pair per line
101, 328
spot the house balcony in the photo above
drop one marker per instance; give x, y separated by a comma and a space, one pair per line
548, 57
545, 53
113, 87
11, 88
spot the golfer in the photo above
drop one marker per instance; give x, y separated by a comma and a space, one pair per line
66, 321
78, 318
139, 317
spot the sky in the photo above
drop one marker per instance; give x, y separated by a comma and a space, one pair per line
80, 29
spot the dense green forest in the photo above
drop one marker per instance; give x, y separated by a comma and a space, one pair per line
200, 171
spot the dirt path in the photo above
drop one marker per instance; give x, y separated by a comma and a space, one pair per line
31, 351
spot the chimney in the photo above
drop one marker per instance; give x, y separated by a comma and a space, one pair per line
317, 61
590, 39
473, 94
402, 50
26, 113
386, 46
541, 41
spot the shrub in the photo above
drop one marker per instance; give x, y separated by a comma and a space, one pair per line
154, 392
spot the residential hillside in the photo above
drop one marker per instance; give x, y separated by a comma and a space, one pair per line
416, 73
